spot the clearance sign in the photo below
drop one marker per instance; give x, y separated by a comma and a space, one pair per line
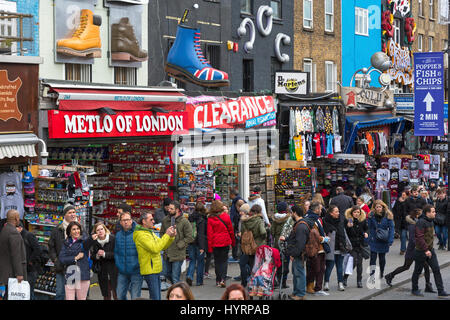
232, 113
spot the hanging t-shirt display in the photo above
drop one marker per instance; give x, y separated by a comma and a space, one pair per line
337, 143
10, 179
12, 201
395, 163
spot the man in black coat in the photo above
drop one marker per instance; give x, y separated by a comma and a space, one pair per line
414, 201
33, 253
296, 247
342, 201
12, 251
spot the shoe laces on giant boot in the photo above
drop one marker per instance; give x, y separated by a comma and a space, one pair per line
187, 62
124, 44
85, 41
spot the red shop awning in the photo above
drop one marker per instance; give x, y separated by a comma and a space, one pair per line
70, 99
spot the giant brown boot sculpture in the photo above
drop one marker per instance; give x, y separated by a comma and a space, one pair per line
124, 45
85, 42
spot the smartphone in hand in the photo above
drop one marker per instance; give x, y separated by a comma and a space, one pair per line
172, 221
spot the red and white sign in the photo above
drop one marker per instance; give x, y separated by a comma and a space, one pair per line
230, 113
72, 124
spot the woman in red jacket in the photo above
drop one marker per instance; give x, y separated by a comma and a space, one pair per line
220, 236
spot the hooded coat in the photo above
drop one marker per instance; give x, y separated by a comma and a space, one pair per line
256, 199
255, 224
276, 228
219, 234
356, 232
386, 221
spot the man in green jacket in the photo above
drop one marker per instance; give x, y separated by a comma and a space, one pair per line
149, 248
176, 252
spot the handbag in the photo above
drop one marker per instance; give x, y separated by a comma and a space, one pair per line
96, 267
348, 244
365, 252
18, 291
382, 235
439, 219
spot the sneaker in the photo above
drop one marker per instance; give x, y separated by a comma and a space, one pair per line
417, 293
443, 295
207, 276
321, 293
441, 247
222, 284
359, 284
189, 281
164, 286
402, 253
326, 287
429, 288
238, 278
341, 286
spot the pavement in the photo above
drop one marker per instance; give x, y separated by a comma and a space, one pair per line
378, 291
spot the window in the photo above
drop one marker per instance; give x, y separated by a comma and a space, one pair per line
309, 66
396, 31
276, 7
430, 44
330, 76
444, 45
420, 43
361, 21
125, 76
213, 55
329, 15
247, 75
307, 14
431, 9
8, 28
78, 72
420, 8
246, 6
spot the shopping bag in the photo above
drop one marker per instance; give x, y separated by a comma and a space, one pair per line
348, 264
18, 291
183, 266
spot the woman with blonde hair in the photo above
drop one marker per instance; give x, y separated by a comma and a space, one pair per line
102, 254
381, 234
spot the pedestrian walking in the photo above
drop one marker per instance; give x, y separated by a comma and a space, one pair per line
13, 262
278, 221
342, 201
425, 195
149, 247
127, 261
333, 225
199, 246
425, 253
381, 235
33, 256
409, 255
102, 253
253, 234
255, 198
442, 215
175, 254
235, 291
180, 291
55, 243
296, 243
400, 224
415, 201
74, 256
315, 266
220, 235
357, 231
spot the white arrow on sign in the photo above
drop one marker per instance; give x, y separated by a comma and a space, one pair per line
429, 101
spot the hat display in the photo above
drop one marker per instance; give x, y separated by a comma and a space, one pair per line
29, 203
27, 177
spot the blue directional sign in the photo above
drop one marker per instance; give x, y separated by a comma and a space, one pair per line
429, 94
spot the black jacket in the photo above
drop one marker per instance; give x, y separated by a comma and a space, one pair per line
201, 225
107, 264
234, 214
298, 238
443, 208
414, 203
55, 244
159, 215
343, 202
356, 233
33, 251
399, 211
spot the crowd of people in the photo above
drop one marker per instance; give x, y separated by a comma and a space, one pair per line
309, 239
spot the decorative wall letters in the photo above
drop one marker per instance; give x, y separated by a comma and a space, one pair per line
401, 69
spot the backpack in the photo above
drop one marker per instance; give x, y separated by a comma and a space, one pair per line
248, 244
312, 246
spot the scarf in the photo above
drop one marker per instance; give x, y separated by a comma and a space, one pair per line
65, 224
103, 242
331, 224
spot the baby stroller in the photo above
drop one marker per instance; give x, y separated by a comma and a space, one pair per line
261, 284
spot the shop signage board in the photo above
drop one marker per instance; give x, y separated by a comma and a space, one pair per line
9, 108
429, 94
76, 124
231, 113
294, 82
404, 103
353, 97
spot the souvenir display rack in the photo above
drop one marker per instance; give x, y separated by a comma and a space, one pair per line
291, 184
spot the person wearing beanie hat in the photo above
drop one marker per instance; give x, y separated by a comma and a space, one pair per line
55, 243
161, 213
282, 207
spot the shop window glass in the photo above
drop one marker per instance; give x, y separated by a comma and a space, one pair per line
247, 75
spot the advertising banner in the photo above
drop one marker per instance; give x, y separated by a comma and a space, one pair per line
231, 113
294, 82
428, 94
71, 124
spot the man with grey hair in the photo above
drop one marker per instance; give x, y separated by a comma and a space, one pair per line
13, 262
342, 201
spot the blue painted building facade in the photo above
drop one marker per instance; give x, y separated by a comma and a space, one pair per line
361, 37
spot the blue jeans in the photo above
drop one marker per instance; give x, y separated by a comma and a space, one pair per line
172, 270
299, 277
60, 284
329, 265
442, 234
197, 263
154, 285
403, 238
132, 283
